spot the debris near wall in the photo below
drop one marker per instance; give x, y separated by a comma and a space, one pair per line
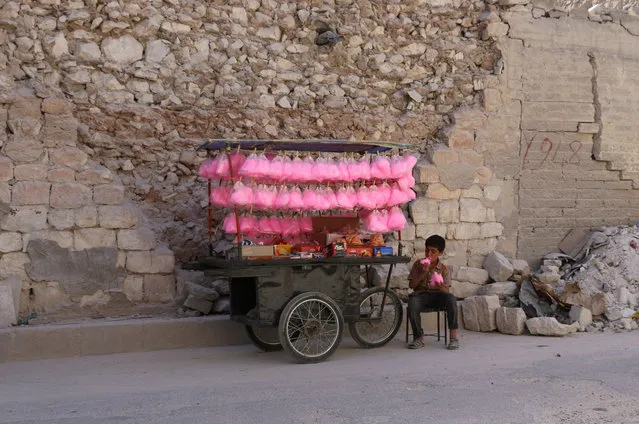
202, 293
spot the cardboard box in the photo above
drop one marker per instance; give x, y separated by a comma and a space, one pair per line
257, 251
363, 251
383, 251
338, 249
335, 224
309, 248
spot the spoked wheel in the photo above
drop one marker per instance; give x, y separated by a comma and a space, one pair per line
264, 337
311, 327
375, 327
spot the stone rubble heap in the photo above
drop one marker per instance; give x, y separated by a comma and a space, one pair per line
598, 292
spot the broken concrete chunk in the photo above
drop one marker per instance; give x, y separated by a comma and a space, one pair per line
510, 321
549, 326
479, 313
501, 289
498, 266
198, 304
520, 268
222, 306
530, 302
8, 316
201, 292
581, 314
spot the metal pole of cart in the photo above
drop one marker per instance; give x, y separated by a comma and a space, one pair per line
237, 218
390, 272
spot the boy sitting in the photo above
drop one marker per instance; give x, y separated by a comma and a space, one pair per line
430, 280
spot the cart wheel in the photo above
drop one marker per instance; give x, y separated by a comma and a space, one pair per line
264, 337
311, 327
373, 330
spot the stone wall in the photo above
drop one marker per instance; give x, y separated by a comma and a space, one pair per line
520, 110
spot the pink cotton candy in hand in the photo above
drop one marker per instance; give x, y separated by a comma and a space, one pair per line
425, 261
436, 280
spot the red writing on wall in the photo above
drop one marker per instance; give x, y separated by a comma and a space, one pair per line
548, 153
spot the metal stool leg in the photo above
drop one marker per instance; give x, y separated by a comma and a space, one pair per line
446, 329
438, 332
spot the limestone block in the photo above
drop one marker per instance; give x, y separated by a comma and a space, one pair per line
471, 210
581, 314
492, 193
598, 304
134, 288
483, 175
8, 315
424, 211
494, 30
440, 192
159, 288
424, 231
500, 288
458, 176
491, 229
455, 254
15, 283
408, 234
56, 106
88, 51
499, 268
175, 27
108, 194
64, 239
479, 313
510, 321
87, 238
5, 193
270, 33
69, 156
459, 138
116, 217
6, 169
549, 326
138, 239
492, 96
13, 264
425, 173
86, 217
474, 192
520, 267
201, 305
10, 242
471, 157
463, 231
222, 306
463, 289
23, 149
124, 50
25, 219
472, 275
30, 171
61, 174
61, 219
95, 175
160, 261
482, 247
399, 278
442, 156
31, 193
449, 211
70, 195
61, 130
156, 51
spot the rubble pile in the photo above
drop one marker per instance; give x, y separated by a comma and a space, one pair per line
592, 285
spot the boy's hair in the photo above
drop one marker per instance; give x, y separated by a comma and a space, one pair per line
437, 242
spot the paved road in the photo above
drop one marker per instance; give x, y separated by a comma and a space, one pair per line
585, 378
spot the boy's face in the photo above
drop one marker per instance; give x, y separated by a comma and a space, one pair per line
432, 253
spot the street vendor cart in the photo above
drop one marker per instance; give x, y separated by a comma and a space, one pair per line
300, 272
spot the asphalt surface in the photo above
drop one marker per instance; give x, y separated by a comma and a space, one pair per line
493, 378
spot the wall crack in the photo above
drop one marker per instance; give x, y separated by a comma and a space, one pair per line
596, 148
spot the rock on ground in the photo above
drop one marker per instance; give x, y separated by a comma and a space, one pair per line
510, 320
501, 289
498, 266
479, 313
581, 314
549, 326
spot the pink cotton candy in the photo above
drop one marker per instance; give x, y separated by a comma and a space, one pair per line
221, 195
295, 200
262, 167
205, 170
377, 222
309, 198
365, 168
306, 171
425, 261
381, 168
319, 169
276, 170
287, 170
436, 280
241, 195
396, 220
306, 224
406, 182
264, 226
345, 200
248, 225
283, 196
342, 168
364, 198
248, 167
276, 225
332, 170
230, 224
354, 170
409, 163
321, 202
264, 197
237, 160
384, 195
